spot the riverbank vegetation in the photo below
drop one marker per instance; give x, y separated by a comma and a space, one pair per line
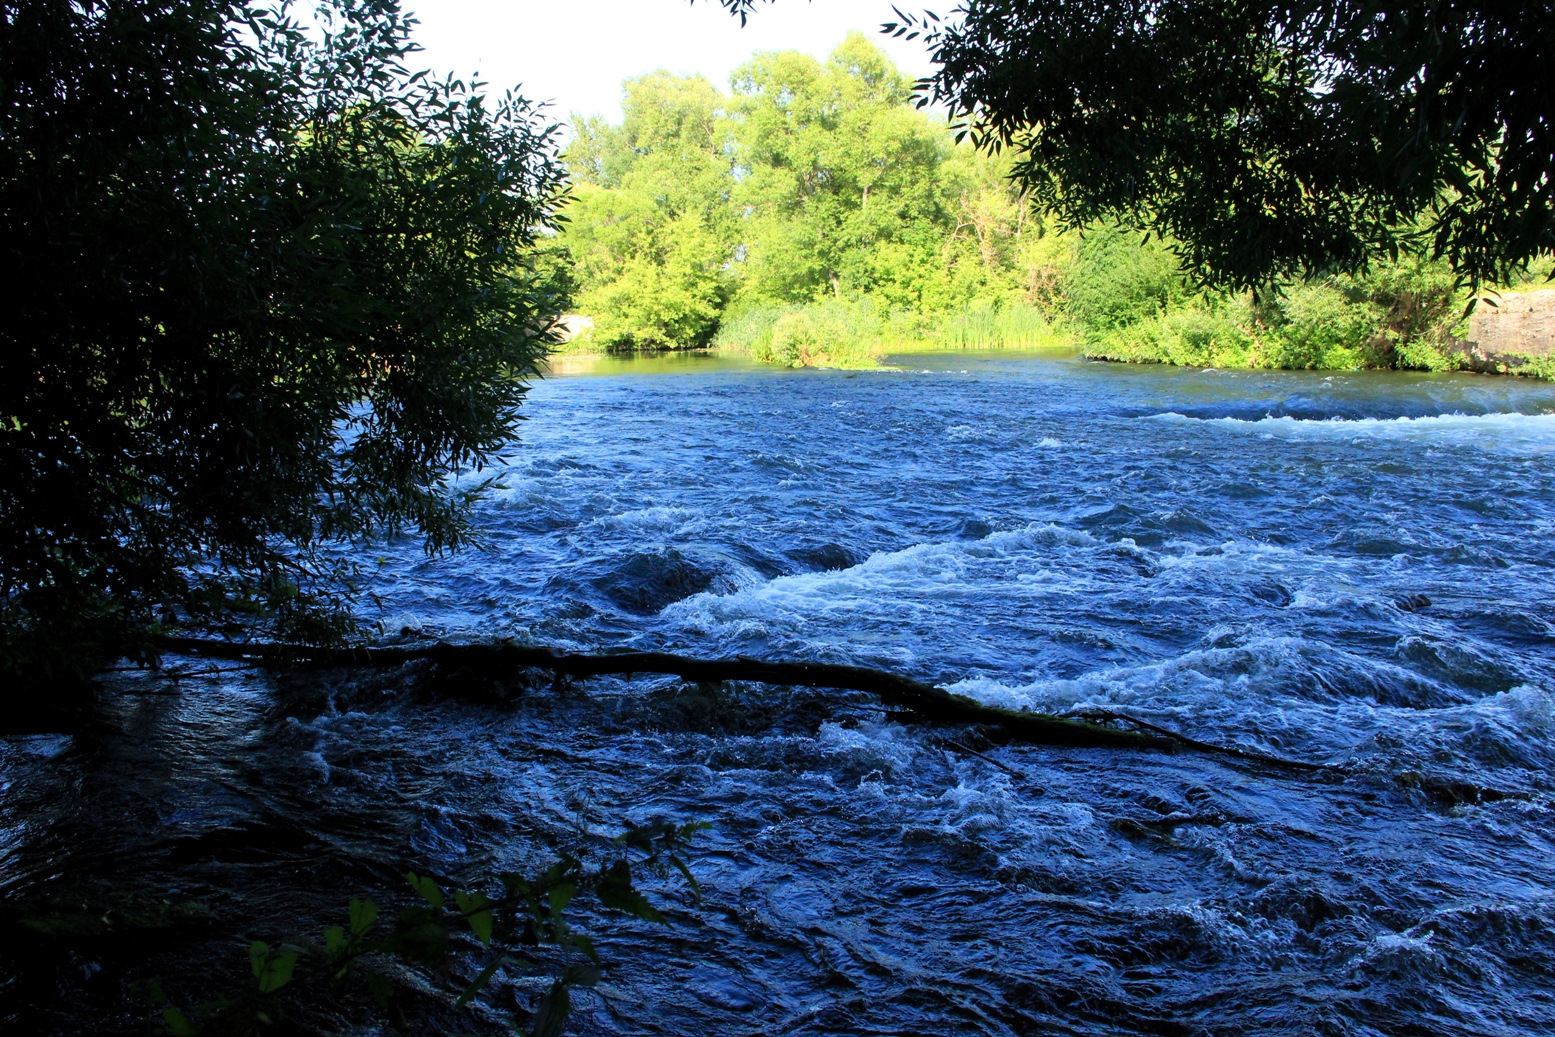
814, 216
810, 216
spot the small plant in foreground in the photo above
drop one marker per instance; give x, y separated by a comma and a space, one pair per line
526, 913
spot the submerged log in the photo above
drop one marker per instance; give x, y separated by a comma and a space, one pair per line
922, 700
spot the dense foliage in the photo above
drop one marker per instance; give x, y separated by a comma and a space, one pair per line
812, 186
268, 290
650, 222
815, 216
1269, 138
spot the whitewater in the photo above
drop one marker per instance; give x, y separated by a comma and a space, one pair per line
1352, 569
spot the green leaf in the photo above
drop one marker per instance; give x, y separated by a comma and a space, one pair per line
258, 954
476, 909
484, 977
615, 890
273, 970
639, 837
552, 1014
363, 914
560, 897
419, 934
429, 890
582, 975
379, 986
334, 940
680, 866
178, 1024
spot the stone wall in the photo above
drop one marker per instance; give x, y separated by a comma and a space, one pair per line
1523, 324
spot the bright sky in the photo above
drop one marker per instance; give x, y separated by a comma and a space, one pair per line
575, 53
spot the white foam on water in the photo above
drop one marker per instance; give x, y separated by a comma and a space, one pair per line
652, 519
45, 746
316, 763
1236, 555
1213, 677
1507, 730
878, 746
1387, 946
915, 577
1499, 430
1277, 693
401, 622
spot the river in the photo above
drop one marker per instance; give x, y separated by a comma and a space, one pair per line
1355, 569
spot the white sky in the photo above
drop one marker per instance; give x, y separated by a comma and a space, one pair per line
575, 53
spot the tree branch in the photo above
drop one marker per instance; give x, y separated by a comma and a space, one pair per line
926, 701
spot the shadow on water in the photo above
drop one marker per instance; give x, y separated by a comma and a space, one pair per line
1354, 569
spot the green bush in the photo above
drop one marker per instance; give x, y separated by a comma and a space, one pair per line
1117, 279
1199, 336
794, 338
830, 333
1324, 326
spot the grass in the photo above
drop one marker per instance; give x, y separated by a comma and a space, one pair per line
856, 333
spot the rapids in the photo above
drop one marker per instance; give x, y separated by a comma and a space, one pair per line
1355, 568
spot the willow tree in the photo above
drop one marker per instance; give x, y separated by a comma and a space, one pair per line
1270, 138
267, 291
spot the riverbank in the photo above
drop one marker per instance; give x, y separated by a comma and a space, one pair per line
1241, 351
1330, 326
1234, 352
1508, 333
855, 334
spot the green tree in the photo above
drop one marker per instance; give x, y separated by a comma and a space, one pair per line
1268, 138
1273, 139
651, 228
838, 179
268, 292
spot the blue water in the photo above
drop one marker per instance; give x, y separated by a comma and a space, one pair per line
1355, 569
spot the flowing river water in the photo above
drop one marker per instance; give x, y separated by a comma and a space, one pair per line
1355, 569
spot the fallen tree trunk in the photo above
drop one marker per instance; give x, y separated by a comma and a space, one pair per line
925, 701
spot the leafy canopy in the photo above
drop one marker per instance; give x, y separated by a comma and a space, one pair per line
1270, 139
811, 180
839, 182
651, 231
268, 291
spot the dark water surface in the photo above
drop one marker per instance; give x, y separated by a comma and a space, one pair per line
1244, 556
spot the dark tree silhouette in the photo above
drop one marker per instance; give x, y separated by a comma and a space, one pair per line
265, 289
